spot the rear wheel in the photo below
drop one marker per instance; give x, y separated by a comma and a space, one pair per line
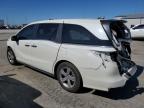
69, 77
11, 56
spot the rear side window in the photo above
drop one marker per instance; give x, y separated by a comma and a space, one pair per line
76, 34
116, 28
139, 27
27, 33
47, 31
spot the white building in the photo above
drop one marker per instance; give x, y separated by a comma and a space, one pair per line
132, 19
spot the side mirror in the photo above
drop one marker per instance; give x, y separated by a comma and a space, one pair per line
14, 38
133, 28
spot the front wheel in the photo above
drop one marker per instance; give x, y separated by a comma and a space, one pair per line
69, 77
11, 56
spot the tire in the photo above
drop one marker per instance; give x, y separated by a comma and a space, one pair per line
69, 77
11, 57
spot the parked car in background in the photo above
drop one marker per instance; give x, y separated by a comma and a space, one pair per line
4, 27
15, 26
77, 52
137, 31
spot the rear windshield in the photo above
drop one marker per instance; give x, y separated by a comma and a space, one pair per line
116, 28
119, 30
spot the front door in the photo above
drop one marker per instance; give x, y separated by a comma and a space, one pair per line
44, 49
23, 45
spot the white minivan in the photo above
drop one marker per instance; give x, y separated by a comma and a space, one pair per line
137, 32
77, 52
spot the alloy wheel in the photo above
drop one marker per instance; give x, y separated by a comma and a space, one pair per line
67, 77
11, 57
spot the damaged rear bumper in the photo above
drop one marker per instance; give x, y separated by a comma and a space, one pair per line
125, 76
130, 72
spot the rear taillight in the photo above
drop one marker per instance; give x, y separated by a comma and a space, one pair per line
104, 55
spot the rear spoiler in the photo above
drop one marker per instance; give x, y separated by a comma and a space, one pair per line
113, 20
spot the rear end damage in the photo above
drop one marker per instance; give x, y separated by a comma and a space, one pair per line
120, 37
127, 68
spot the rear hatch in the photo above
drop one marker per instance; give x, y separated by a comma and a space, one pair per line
120, 37
117, 32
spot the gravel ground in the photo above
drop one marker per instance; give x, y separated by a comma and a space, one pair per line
4, 34
23, 87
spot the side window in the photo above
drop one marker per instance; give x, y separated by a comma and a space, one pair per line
139, 27
26, 33
47, 31
76, 34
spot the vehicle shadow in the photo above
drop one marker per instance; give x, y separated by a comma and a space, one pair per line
128, 91
15, 94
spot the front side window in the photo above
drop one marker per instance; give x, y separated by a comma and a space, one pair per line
76, 34
27, 33
47, 31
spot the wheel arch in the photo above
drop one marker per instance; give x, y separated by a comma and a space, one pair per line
56, 66
9, 47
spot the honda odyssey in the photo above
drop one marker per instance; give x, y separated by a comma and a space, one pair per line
77, 52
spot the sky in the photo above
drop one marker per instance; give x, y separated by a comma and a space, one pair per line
25, 11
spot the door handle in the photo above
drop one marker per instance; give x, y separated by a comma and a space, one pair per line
27, 45
34, 46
